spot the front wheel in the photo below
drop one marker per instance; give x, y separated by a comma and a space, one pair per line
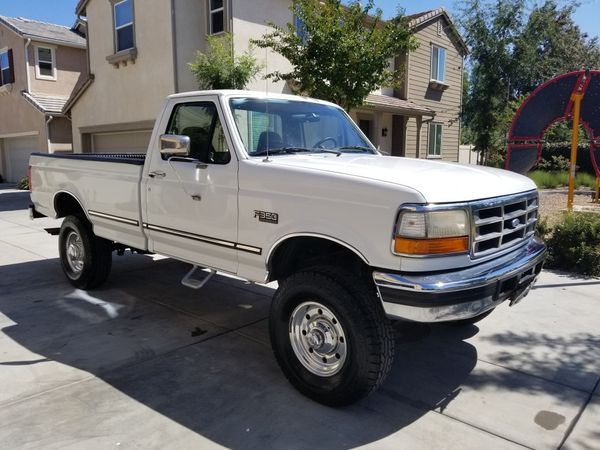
330, 336
86, 258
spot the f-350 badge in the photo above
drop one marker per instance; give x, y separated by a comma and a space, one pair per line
265, 216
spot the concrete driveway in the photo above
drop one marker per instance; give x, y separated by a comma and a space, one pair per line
147, 363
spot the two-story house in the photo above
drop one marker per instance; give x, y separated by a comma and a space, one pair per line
41, 65
137, 57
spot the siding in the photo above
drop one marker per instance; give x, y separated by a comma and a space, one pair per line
446, 103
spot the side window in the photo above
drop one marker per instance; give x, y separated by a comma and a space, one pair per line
6, 68
438, 63
124, 32
435, 139
200, 121
217, 16
45, 67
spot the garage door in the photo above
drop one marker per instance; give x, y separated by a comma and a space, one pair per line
125, 142
16, 153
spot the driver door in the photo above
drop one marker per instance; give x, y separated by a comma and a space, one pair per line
191, 203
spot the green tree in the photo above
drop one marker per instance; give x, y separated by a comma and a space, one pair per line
220, 68
341, 53
514, 50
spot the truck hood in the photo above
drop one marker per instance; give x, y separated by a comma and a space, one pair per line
438, 182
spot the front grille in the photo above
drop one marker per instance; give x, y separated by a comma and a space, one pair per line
503, 223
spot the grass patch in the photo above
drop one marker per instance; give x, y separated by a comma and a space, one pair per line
549, 180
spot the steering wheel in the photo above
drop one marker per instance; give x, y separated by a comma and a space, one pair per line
322, 141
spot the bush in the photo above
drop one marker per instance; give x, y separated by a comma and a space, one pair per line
550, 180
23, 184
574, 244
563, 152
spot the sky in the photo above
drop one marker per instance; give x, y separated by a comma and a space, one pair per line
63, 11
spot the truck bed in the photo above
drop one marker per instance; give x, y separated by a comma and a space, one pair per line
106, 186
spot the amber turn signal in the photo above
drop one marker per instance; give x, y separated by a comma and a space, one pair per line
435, 246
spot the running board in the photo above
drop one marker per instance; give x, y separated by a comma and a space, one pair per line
194, 283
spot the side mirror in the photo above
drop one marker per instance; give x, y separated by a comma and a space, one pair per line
175, 145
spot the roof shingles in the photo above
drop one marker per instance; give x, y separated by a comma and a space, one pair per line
42, 30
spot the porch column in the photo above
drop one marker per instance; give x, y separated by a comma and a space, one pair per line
419, 126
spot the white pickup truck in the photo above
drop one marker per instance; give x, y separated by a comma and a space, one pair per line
276, 187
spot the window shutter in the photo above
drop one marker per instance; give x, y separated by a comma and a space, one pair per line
11, 65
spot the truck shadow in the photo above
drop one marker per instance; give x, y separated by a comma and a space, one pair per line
12, 201
203, 360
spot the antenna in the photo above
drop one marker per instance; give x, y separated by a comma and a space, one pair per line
267, 100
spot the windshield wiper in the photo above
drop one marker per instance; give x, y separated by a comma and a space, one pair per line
356, 148
291, 150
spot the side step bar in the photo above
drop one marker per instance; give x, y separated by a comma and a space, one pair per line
194, 283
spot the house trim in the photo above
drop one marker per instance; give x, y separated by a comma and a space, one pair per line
118, 127
22, 134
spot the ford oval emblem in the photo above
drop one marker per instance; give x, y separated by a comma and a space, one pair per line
515, 223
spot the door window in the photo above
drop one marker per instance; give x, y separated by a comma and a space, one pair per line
200, 122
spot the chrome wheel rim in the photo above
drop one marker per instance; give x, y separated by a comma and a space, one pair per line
318, 339
75, 252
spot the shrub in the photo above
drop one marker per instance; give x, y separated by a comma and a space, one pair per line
556, 163
574, 244
23, 184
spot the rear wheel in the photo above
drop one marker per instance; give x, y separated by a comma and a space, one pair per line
86, 258
330, 336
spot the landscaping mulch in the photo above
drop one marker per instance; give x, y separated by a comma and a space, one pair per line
553, 202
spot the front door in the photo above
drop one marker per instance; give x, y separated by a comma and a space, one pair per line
191, 203
366, 126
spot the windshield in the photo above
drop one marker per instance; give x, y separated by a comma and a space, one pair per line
280, 126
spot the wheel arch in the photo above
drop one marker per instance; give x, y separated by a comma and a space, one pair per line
312, 248
66, 203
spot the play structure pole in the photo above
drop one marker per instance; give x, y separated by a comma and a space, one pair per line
574, 143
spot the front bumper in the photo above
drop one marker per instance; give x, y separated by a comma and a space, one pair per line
464, 293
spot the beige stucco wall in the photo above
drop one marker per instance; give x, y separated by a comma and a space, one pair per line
17, 116
71, 70
446, 103
250, 22
190, 36
131, 93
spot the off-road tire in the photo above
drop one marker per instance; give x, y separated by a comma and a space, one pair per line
96, 258
369, 335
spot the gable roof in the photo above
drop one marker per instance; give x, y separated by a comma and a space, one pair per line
421, 18
44, 32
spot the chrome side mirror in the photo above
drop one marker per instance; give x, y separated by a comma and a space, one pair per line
175, 145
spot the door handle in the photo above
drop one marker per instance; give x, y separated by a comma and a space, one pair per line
157, 174
201, 165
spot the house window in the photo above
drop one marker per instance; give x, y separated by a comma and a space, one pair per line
45, 65
124, 33
217, 16
6, 72
435, 140
438, 63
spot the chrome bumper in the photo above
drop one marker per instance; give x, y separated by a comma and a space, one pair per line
464, 293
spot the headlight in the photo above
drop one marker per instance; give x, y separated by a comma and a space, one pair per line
432, 232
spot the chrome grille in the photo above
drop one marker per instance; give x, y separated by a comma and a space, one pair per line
503, 223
